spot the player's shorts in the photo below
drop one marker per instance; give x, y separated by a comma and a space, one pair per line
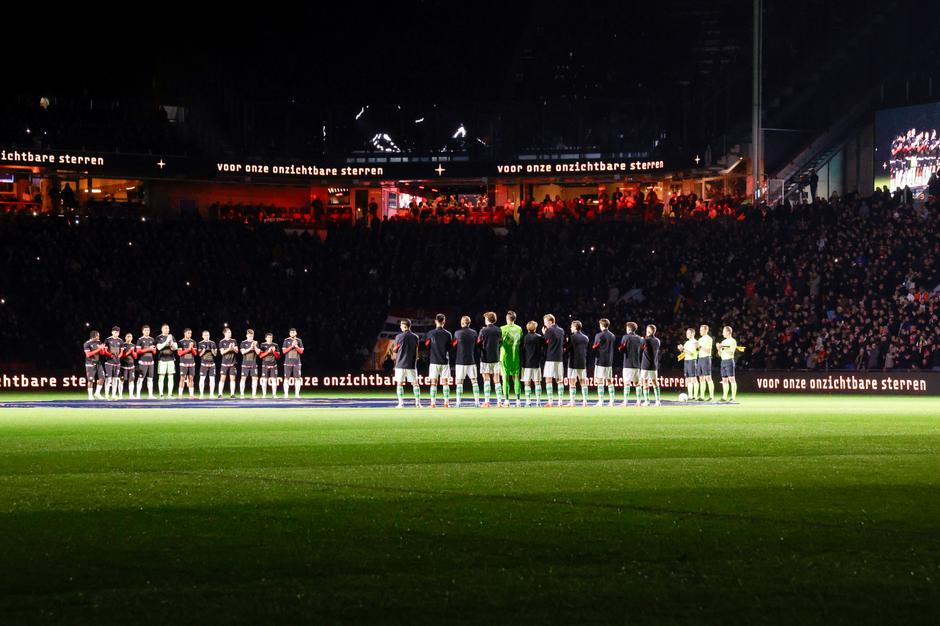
489, 368
574, 374
128, 373
631, 376
292, 369
269, 371
406, 376
94, 371
727, 368
227, 369
703, 366
650, 375
531, 374
112, 370
187, 369
554, 369
207, 369
166, 367
146, 369
465, 371
690, 368
249, 370
439, 371
603, 373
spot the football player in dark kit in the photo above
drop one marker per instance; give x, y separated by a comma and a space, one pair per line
630, 346
406, 362
166, 360
228, 348
465, 340
187, 354
439, 341
146, 348
292, 348
128, 352
94, 371
649, 365
489, 340
269, 356
577, 364
112, 367
554, 358
207, 351
249, 349
605, 344
532, 344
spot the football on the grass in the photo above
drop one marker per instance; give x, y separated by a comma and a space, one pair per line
683, 397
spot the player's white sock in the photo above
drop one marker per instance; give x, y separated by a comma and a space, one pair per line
600, 393
459, 390
417, 392
297, 385
264, 387
446, 387
150, 386
711, 388
433, 394
734, 390
191, 390
549, 389
98, 391
399, 391
486, 392
499, 393
584, 392
612, 392
107, 388
572, 389
254, 386
538, 391
241, 387
202, 385
527, 388
231, 385
211, 386
91, 394
476, 392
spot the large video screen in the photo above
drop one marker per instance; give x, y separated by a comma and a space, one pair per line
907, 146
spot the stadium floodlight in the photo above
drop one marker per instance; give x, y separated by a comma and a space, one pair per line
460, 132
419, 120
360, 113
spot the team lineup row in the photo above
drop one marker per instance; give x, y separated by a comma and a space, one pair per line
115, 362
507, 353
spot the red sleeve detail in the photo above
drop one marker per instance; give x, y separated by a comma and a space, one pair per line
299, 350
595, 346
454, 343
181, 352
427, 343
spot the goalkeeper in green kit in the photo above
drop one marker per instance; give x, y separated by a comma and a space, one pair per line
510, 357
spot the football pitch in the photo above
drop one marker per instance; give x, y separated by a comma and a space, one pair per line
781, 509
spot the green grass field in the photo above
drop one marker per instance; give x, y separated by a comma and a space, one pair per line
780, 510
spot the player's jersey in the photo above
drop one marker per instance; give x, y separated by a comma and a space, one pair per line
293, 356
705, 343
577, 356
510, 347
690, 349
439, 340
649, 356
406, 344
189, 358
466, 341
269, 359
727, 348
114, 344
207, 356
605, 342
128, 359
630, 345
554, 344
249, 358
88, 346
145, 342
532, 350
229, 357
166, 354
490, 338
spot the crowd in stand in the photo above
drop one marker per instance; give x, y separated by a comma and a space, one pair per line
841, 283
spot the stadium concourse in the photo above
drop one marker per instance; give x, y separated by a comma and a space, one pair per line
846, 283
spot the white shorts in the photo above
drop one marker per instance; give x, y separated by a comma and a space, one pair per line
631, 375
464, 371
406, 376
576, 374
603, 373
489, 368
650, 375
439, 371
531, 375
554, 369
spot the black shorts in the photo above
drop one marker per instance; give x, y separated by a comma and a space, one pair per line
704, 366
207, 369
690, 368
727, 368
187, 369
228, 369
146, 369
249, 370
94, 371
292, 369
269, 371
112, 370
128, 373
